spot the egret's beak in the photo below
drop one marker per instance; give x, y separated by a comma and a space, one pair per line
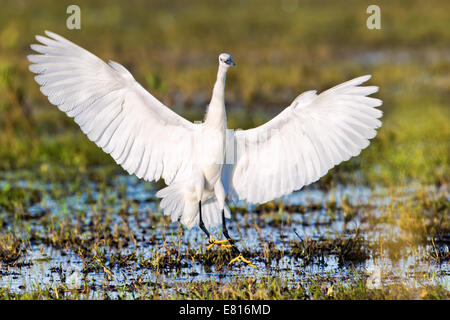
231, 62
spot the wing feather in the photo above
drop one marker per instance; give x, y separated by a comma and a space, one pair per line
113, 110
308, 138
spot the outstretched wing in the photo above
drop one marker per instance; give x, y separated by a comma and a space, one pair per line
300, 145
141, 134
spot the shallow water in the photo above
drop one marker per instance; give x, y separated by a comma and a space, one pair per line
46, 266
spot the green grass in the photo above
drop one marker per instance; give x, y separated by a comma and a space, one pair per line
243, 288
279, 55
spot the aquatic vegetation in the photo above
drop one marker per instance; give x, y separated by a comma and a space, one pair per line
124, 248
16, 199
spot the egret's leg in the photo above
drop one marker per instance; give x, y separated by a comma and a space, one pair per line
236, 251
202, 225
212, 241
225, 230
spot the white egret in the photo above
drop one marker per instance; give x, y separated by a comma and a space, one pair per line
203, 163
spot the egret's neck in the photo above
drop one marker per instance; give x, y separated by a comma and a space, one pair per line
216, 115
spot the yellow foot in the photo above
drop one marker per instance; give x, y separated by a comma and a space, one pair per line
223, 243
240, 258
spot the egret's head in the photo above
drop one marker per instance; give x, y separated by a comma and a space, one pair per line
225, 59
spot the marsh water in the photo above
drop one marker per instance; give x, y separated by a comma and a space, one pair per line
310, 215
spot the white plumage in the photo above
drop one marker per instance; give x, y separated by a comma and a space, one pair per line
300, 145
204, 162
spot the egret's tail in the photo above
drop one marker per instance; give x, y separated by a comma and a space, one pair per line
173, 200
179, 202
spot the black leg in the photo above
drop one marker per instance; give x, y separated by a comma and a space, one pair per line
225, 233
235, 250
202, 225
224, 226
